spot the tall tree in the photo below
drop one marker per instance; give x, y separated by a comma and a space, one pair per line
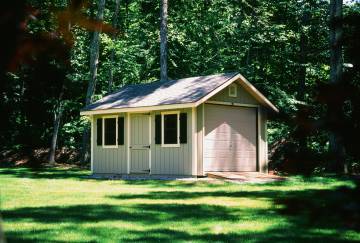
336, 66
112, 54
58, 112
163, 40
94, 60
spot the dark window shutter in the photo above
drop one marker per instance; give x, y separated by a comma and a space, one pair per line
121, 130
183, 127
158, 129
99, 131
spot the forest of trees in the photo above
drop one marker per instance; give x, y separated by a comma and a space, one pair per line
60, 55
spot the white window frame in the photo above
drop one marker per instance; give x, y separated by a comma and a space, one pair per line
234, 88
103, 132
163, 127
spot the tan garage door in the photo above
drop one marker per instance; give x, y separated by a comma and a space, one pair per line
230, 138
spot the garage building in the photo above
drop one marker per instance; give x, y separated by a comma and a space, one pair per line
189, 126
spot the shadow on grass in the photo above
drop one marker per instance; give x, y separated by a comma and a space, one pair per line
290, 234
323, 215
173, 195
298, 230
140, 213
326, 208
44, 173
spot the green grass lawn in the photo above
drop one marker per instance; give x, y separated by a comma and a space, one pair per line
59, 205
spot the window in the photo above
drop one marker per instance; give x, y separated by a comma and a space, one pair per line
170, 129
175, 130
110, 131
232, 90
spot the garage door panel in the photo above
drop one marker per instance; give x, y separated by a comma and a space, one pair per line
224, 153
217, 144
230, 139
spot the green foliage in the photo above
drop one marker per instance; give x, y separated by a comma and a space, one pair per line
260, 39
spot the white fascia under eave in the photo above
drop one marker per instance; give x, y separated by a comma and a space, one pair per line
137, 109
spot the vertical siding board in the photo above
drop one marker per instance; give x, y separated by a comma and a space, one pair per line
112, 168
169, 162
106, 151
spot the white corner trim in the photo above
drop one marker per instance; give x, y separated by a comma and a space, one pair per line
128, 141
150, 143
162, 129
92, 144
203, 139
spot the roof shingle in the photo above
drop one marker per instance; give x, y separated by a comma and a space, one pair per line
181, 91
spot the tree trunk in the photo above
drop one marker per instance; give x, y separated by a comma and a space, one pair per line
94, 56
302, 137
336, 32
336, 62
112, 54
94, 59
302, 71
163, 40
57, 118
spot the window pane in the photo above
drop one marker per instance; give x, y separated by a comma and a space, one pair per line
170, 129
110, 131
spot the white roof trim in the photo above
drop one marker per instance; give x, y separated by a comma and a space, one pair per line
246, 85
242, 80
256, 93
137, 109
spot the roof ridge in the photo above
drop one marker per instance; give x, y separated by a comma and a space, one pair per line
165, 81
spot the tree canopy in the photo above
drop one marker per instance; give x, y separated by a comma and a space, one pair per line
282, 47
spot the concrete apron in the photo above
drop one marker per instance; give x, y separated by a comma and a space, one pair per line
235, 177
250, 177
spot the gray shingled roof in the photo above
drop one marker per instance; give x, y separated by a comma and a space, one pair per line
181, 91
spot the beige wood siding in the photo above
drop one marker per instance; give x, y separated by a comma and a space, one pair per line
200, 132
243, 97
171, 160
109, 160
230, 142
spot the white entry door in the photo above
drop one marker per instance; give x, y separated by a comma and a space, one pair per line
140, 143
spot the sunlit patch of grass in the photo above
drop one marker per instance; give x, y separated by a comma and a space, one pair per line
61, 205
